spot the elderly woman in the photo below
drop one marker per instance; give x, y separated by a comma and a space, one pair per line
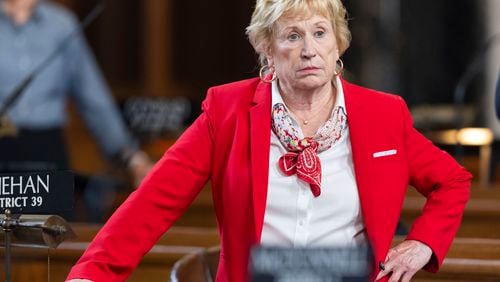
297, 157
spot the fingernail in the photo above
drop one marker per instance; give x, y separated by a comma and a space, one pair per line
381, 265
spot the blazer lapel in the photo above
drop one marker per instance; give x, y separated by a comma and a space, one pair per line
260, 136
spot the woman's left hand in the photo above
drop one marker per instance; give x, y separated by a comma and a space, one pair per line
404, 260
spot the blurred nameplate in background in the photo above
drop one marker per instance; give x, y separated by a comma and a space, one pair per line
276, 264
37, 192
150, 118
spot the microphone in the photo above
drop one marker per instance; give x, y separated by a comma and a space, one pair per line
21, 87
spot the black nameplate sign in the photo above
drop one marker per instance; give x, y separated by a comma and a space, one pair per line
274, 264
36, 192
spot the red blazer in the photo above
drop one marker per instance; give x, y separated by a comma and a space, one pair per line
229, 145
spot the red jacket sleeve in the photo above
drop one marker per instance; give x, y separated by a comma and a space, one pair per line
161, 198
445, 184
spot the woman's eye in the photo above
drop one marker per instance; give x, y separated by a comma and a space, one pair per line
293, 37
319, 33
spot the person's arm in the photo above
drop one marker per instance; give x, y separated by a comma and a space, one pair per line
98, 109
445, 184
163, 196
93, 99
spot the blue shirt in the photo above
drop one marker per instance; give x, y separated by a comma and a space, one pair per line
73, 74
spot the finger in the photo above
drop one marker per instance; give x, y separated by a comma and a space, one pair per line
396, 274
388, 266
381, 266
381, 274
407, 276
390, 254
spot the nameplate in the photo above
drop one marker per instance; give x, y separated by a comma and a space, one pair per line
37, 192
274, 264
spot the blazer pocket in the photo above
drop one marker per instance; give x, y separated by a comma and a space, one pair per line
385, 153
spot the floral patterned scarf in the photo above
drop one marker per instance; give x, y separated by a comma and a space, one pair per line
302, 157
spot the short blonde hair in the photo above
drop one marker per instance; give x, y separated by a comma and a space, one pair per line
267, 12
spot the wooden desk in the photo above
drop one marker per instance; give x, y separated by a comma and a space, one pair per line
31, 264
481, 216
469, 259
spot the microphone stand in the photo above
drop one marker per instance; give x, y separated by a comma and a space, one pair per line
6, 127
7, 226
31, 231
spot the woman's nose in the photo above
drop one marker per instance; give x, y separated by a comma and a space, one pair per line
308, 50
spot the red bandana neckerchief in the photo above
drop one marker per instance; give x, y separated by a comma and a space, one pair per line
302, 157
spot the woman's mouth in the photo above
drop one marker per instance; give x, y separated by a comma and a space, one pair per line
309, 69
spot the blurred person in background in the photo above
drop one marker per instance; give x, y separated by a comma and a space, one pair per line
497, 98
298, 157
30, 30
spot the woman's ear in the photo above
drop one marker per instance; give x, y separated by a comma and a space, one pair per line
267, 51
270, 61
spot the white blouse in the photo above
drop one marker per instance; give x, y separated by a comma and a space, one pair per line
294, 217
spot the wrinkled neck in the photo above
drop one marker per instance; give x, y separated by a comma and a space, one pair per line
306, 99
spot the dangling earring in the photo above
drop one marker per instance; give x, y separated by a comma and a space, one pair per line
264, 71
341, 65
